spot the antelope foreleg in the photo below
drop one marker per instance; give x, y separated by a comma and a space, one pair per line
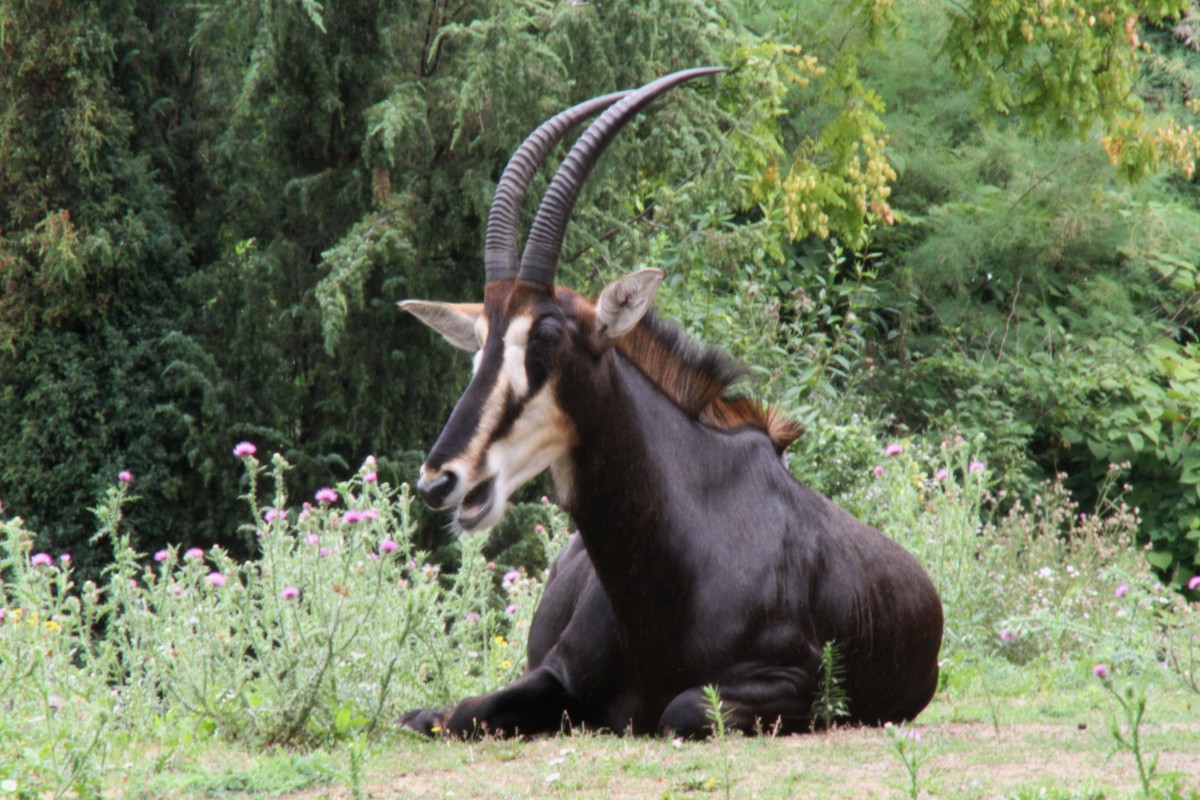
537, 702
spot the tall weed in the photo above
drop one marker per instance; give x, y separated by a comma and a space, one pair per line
1039, 579
336, 627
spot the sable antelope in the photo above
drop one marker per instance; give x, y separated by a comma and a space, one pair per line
699, 558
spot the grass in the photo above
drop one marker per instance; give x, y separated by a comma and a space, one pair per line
1043, 733
1069, 754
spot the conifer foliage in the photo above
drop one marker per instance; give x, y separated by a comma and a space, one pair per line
919, 214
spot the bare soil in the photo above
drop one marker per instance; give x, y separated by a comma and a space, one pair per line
968, 760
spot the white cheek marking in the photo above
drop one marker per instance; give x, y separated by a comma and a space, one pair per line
541, 437
515, 339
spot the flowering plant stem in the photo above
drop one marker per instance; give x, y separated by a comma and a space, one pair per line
1132, 703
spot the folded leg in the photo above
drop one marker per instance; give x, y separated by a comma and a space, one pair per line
752, 704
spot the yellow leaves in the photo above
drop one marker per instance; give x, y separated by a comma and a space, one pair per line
1138, 150
833, 180
1114, 146
856, 183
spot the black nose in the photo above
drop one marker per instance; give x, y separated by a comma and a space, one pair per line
434, 492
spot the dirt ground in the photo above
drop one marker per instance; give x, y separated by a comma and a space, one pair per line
969, 760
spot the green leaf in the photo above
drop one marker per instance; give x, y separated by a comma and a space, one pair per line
1160, 559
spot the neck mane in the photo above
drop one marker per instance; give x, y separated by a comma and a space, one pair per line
696, 378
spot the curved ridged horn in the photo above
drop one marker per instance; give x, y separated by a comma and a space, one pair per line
546, 236
500, 244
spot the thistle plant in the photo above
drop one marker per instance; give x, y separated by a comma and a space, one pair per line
1131, 705
336, 626
913, 754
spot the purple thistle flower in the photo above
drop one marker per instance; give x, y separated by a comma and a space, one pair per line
193, 553
894, 449
370, 477
1194, 583
975, 466
371, 513
312, 538
388, 545
511, 610
472, 617
323, 552
215, 579
41, 560
1122, 590
161, 556
289, 593
352, 516
511, 576
1100, 671
878, 470
1007, 636
325, 495
65, 558
125, 476
943, 473
244, 449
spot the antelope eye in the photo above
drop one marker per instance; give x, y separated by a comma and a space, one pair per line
547, 330
539, 352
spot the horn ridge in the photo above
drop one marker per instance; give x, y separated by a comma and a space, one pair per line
504, 216
540, 259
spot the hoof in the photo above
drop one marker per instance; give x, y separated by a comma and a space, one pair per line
425, 721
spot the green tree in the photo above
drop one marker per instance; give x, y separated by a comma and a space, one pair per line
90, 260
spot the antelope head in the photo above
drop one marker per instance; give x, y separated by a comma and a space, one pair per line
509, 426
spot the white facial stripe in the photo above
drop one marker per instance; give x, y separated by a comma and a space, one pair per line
489, 417
515, 339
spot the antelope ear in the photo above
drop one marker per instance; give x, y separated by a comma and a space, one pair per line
623, 303
454, 321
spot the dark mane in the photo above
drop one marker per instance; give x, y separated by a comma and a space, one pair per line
696, 378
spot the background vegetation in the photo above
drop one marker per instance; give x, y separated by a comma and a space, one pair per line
910, 220
967, 229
